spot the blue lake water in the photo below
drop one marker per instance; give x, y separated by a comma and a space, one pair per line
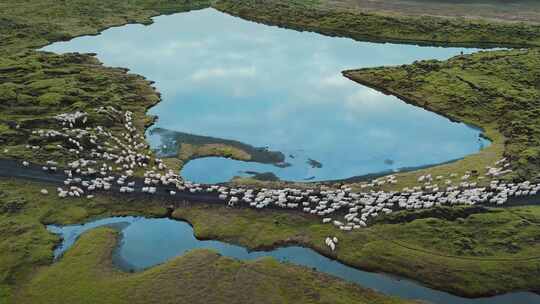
225, 77
148, 242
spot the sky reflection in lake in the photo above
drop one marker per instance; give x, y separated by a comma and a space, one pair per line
224, 77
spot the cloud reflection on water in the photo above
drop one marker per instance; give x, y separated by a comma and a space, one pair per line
225, 77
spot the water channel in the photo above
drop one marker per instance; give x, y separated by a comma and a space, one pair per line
147, 242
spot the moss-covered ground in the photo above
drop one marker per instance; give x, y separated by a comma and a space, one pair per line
469, 255
30, 24
36, 86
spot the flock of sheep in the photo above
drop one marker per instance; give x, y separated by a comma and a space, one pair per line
102, 160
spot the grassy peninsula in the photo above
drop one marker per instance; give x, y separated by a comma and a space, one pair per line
179, 148
495, 90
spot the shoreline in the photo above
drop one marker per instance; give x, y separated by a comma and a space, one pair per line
150, 119
298, 243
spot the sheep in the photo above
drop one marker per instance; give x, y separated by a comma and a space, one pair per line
110, 153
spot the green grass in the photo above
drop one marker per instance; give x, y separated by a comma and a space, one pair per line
42, 85
188, 152
36, 86
326, 18
471, 255
24, 242
187, 147
465, 255
30, 24
85, 274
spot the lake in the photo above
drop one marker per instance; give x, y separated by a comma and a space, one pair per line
282, 90
147, 242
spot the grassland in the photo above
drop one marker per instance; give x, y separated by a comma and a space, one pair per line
25, 244
30, 24
469, 255
188, 152
36, 86
466, 252
86, 275
356, 23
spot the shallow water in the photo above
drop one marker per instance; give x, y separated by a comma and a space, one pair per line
148, 242
225, 77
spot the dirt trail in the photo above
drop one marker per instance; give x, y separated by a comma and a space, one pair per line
15, 169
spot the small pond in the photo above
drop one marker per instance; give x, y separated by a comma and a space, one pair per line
279, 89
148, 242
